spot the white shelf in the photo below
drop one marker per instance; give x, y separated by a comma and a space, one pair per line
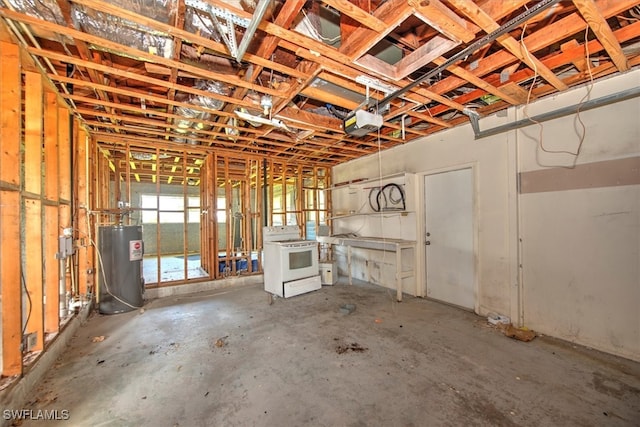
383, 213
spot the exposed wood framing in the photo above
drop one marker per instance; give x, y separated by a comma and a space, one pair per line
51, 268
33, 270
83, 231
10, 270
10, 277
33, 132
603, 32
486, 22
114, 78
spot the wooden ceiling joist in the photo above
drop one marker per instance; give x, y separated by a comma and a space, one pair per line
122, 93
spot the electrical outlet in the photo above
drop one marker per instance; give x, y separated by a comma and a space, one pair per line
29, 341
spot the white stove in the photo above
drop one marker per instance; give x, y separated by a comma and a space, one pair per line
290, 263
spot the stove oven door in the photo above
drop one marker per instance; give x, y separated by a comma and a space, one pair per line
299, 260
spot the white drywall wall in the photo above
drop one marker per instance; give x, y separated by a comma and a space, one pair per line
580, 248
455, 149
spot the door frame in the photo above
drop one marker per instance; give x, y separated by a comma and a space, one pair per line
421, 253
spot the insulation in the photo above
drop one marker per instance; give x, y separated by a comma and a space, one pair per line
47, 10
197, 22
193, 118
158, 10
211, 86
128, 34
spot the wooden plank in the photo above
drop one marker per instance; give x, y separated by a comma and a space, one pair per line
607, 173
10, 274
540, 39
487, 23
515, 91
91, 202
33, 270
51, 270
51, 132
141, 55
603, 32
356, 13
580, 62
82, 223
219, 48
392, 13
443, 19
33, 133
10, 103
64, 221
64, 154
478, 82
426, 53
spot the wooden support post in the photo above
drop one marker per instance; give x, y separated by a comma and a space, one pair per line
155, 178
90, 203
51, 175
64, 180
10, 273
33, 270
33, 133
64, 221
10, 270
51, 231
10, 94
81, 210
64, 158
51, 268
33, 237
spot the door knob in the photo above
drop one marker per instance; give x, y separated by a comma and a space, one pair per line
427, 243
428, 234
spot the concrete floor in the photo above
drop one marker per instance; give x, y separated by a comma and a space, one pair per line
227, 358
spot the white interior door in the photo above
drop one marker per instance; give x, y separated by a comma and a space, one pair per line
450, 260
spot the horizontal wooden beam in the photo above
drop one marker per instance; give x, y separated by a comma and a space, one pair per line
357, 14
603, 32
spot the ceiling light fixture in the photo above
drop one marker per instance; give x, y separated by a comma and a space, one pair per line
262, 120
376, 84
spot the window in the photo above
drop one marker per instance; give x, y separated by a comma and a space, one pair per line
171, 209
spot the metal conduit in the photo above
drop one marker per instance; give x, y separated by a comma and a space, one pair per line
565, 111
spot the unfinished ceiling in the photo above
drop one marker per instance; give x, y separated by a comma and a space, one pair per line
279, 78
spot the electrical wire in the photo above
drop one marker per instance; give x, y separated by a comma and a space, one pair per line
26, 290
104, 279
102, 269
575, 153
585, 97
315, 32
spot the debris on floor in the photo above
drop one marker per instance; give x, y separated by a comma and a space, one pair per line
355, 347
347, 308
98, 338
521, 334
221, 342
495, 319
